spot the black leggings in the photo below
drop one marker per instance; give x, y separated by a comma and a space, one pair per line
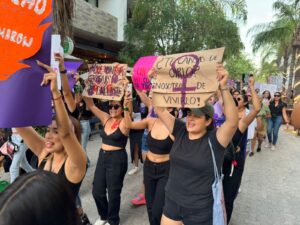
232, 184
155, 179
109, 175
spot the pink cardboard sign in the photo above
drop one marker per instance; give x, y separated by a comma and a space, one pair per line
140, 73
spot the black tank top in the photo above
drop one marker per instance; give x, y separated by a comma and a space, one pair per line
73, 187
159, 147
116, 139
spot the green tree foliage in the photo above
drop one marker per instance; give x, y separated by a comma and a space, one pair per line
239, 64
175, 26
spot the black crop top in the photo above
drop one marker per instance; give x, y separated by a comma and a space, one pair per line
73, 187
160, 147
116, 139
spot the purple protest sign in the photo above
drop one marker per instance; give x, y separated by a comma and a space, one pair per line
23, 101
71, 68
140, 73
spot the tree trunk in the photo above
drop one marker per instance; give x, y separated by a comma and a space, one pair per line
292, 69
297, 79
285, 65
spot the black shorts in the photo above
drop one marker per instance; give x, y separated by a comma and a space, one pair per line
189, 216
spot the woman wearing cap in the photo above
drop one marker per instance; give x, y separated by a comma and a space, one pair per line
278, 110
189, 198
112, 162
233, 166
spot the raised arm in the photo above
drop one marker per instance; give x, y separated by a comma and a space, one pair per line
74, 150
66, 90
32, 139
247, 120
296, 116
140, 125
228, 128
145, 99
166, 117
101, 115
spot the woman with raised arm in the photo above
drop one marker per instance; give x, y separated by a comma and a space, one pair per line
79, 111
112, 162
60, 151
278, 112
157, 163
189, 199
233, 165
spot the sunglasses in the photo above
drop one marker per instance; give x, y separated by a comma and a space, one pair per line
277, 95
116, 107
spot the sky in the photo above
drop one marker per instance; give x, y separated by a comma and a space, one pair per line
259, 11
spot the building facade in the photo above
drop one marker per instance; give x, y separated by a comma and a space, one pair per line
99, 29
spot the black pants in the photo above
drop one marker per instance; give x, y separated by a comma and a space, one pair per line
109, 175
232, 184
155, 179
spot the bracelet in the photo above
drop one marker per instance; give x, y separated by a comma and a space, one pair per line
54, 99
63, 71
224, 89
126, 109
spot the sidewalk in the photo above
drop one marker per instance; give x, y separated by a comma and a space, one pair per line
270, 187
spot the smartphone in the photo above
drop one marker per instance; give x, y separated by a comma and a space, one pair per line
129, 90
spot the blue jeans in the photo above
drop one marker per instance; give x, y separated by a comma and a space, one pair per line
85, 132
274, 124
19, 159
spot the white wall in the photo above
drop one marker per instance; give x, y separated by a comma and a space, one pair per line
117, 8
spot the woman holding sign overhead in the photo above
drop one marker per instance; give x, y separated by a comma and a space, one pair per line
112, 162
157, 163
189, 199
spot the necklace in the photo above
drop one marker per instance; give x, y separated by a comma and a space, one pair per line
116, 124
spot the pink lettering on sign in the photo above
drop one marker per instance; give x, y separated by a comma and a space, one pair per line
140, 73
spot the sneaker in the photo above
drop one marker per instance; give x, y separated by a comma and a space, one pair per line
258, 149
133, 170
139, 200
240, 190
268, 145
251, 154
273, 148
100, 222
85, 220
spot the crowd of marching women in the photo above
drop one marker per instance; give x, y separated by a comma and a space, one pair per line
184, 151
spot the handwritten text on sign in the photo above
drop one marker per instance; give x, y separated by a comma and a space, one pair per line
186, 80
21, 32
106, 81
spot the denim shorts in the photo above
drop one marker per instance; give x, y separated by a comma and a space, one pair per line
145, 147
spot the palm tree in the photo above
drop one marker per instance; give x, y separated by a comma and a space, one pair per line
62, 16
274, 34
280, 33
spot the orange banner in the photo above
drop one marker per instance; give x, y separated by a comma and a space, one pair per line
21, 32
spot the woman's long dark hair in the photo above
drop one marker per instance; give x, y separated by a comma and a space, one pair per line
39, 198
269, 94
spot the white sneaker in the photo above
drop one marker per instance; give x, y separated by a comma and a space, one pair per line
133, 170
267, 145
100, 222
273, 148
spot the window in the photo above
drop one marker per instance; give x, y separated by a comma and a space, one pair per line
93, 2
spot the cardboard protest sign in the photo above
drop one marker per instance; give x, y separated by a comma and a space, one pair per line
187, 79
141, 68
106, 81
25, 36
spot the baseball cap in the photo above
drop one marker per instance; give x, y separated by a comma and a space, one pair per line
208, 110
